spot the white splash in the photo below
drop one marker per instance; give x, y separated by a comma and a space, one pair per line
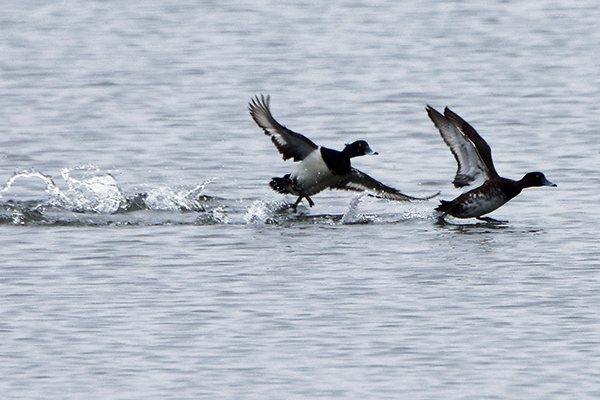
266, 212
51, 187
176, 199
95, 191
257, 212
352, 216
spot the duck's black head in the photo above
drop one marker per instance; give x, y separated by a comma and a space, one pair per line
535, 179
358, 148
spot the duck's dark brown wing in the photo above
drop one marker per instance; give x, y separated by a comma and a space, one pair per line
470, 164
360, 182
481, 145
289, 143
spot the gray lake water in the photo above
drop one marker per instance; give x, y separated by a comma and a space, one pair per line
144, 256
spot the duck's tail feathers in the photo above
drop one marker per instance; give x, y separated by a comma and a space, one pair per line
444, 206
282, 185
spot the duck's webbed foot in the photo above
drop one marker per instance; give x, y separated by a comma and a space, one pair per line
492, 220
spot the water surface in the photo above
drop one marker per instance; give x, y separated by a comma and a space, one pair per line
143, 255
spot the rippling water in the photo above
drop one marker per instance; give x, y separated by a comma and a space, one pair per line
143, 254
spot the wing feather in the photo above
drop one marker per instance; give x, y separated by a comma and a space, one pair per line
481, 145
470, 164
289, 143
360, 182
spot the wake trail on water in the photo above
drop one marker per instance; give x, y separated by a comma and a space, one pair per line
88, 196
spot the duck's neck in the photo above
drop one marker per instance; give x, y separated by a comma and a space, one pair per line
337, 161
508, 187
349, 153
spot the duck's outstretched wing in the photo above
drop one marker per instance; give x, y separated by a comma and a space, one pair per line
481, 145
289, 143
360, 182
470, 164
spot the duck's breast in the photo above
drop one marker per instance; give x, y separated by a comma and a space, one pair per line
312, 175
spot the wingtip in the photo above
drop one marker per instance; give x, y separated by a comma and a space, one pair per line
433, 114
432, 196
452, 116
265, 100
259, 102
260, 111
424, 198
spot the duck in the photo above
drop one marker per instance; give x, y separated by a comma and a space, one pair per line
474, 158
319, 167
